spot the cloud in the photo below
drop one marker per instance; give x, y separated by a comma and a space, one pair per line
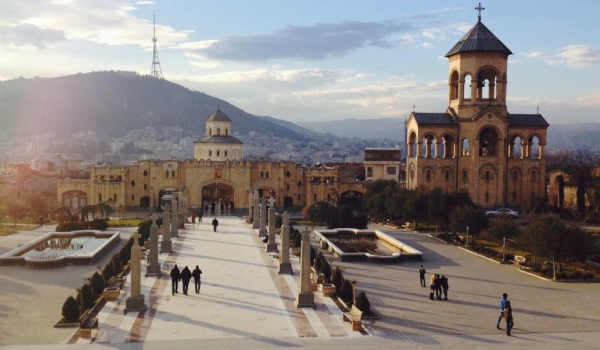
446, 9
109, 22
28, 35
575, 56
315, 42
145, 2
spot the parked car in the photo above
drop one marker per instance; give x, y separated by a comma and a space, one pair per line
502, 213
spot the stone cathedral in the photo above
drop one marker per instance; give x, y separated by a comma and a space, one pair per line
476, 145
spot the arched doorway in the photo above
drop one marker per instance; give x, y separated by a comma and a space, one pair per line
145, 202
218, 198
288, 202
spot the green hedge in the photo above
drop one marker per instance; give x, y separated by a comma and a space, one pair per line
70, 309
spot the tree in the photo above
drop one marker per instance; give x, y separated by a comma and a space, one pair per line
38, 206
70, 309
337, 278
463, 217
504, 228
547, 236
326, 271
436, 207
362, 302
377, 197
87, 296
581, 165
415, 207
97, 284
3, 212
17, 211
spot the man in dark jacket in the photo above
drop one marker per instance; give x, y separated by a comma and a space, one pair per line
196, 274
175, 277
422, 276
215, 223
186, 275
445, 287
438, 287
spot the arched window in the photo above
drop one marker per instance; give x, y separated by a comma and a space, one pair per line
145, 187
132, 197
173, 173
288, 174
412, 145
488, 140
447, 175
226, 131
299, 185
449, 147
465, 147
487, 175
464, 176
534, 147
210, 131
428, 175
287, 187
486, 84
467, 88
218, 131
428, 147
454, 86
262, 174
145, 173
267, 174
487, 197
115, 197
218, 153
132, 183
225, 153
515, 176
533, 176
167, 173
516, 147
209, 153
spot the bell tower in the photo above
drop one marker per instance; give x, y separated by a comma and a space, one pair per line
477, 71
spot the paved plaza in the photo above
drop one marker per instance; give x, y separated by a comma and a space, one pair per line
245, 303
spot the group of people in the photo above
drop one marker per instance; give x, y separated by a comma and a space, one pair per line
185, 276
437, 284
222, 206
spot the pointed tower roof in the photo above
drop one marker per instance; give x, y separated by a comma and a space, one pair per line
218, 116
479, 39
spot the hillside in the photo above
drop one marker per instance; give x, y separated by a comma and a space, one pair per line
389, 128
111, 103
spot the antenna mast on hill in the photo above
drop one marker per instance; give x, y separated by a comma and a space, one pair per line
156, 70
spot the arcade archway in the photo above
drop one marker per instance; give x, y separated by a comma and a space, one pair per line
217, 197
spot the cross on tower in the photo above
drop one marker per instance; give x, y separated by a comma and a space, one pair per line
479, 8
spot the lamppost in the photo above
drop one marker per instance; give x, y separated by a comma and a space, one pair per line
467, 237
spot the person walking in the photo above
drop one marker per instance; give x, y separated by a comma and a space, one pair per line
196, 274
508, 317
422, 273
502, 308
445, 287
186, 275
212, 208
438, 287
175, 277
432, 282
215, 223
193, 217
200, 216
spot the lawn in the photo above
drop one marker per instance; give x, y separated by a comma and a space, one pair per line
124, 222
9, 229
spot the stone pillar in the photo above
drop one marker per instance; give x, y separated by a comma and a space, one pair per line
256, 220
306, 297
461, 89
135, 302
272, 244
153, 268
285, 267
541, 155
262, 232
174, 220
427, 148
250, 205
418, 144
166, 246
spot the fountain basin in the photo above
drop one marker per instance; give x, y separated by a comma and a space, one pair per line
57, 249
374, 245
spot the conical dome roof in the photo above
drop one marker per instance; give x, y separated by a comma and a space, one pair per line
218, 116
479, 38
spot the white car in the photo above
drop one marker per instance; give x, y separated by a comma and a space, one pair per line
502, 213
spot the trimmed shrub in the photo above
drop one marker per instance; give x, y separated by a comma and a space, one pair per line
71, 226
98, 224
326, 271
561, 275
362, 302
588, 275
318, 263
337, 278
279, 222
97, 283
87, 296
116, 263
124, 255
108, 272
347, 293
144, 230
575, 275
297, 241
70, 309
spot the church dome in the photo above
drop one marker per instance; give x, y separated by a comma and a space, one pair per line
218, 116
479, 39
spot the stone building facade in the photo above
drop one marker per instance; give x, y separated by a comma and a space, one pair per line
203, 181
476, 145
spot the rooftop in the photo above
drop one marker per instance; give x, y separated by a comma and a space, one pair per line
479, 39
527, 120
218, 116
218, 139
425, 118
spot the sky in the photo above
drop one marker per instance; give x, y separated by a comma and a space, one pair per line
315, 60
